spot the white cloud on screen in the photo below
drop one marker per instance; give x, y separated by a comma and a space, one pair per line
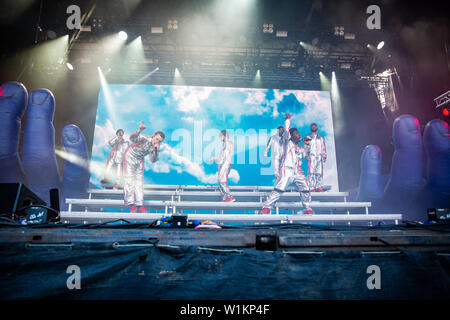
189, 98
102, 135
169, 159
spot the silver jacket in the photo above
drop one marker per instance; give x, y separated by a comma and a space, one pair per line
119, 146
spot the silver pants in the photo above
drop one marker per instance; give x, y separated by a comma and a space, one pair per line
223, 173
276, 169
315, 172
288, 176
113, 171
133, 177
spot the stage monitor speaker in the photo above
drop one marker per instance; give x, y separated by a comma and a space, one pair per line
16, 196
438, 214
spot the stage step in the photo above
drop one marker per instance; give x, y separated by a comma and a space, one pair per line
102, 217
212, 195
212, 205
213, 187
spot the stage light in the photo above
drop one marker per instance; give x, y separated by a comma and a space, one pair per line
157, 30
172, 24
48, 54
309, 47
177, 78
133, 52
445, 112
108, 98
324, 82
123, 35
336, 105
147, 75
380, 45
257, 79
281, 34
267, 28
69, 66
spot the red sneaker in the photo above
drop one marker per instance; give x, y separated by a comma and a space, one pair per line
232, 199
228, 200
265, 211
142, 209
308, 211
319, 190
133, 209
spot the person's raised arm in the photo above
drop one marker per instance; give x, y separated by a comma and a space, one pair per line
269, 144
287, 126
135, 135
113, 141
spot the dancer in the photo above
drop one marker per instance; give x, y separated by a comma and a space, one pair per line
113, 169
290, 170
224, 161
133, 166
274, 144
317, 156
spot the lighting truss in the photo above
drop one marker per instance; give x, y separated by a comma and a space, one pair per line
443, 99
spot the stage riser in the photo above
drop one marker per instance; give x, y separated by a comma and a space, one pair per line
101, 217
216, 197
198, 205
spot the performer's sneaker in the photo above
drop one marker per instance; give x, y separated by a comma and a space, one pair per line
142, 210
319, 190
232, 199
308, 211
265, 211
133, 209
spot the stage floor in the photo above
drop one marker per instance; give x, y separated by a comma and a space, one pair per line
288, 236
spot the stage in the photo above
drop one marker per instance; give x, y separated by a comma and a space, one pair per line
288, 261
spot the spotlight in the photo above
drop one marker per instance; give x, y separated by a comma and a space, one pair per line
123, 35
445, 112
380, 45
69, 66
172, 25
268, 28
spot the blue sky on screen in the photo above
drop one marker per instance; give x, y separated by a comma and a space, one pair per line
191, 118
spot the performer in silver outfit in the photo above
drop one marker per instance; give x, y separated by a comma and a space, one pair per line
290, 170
317, 156
224, 161
113, 169
274, 145
133, 166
